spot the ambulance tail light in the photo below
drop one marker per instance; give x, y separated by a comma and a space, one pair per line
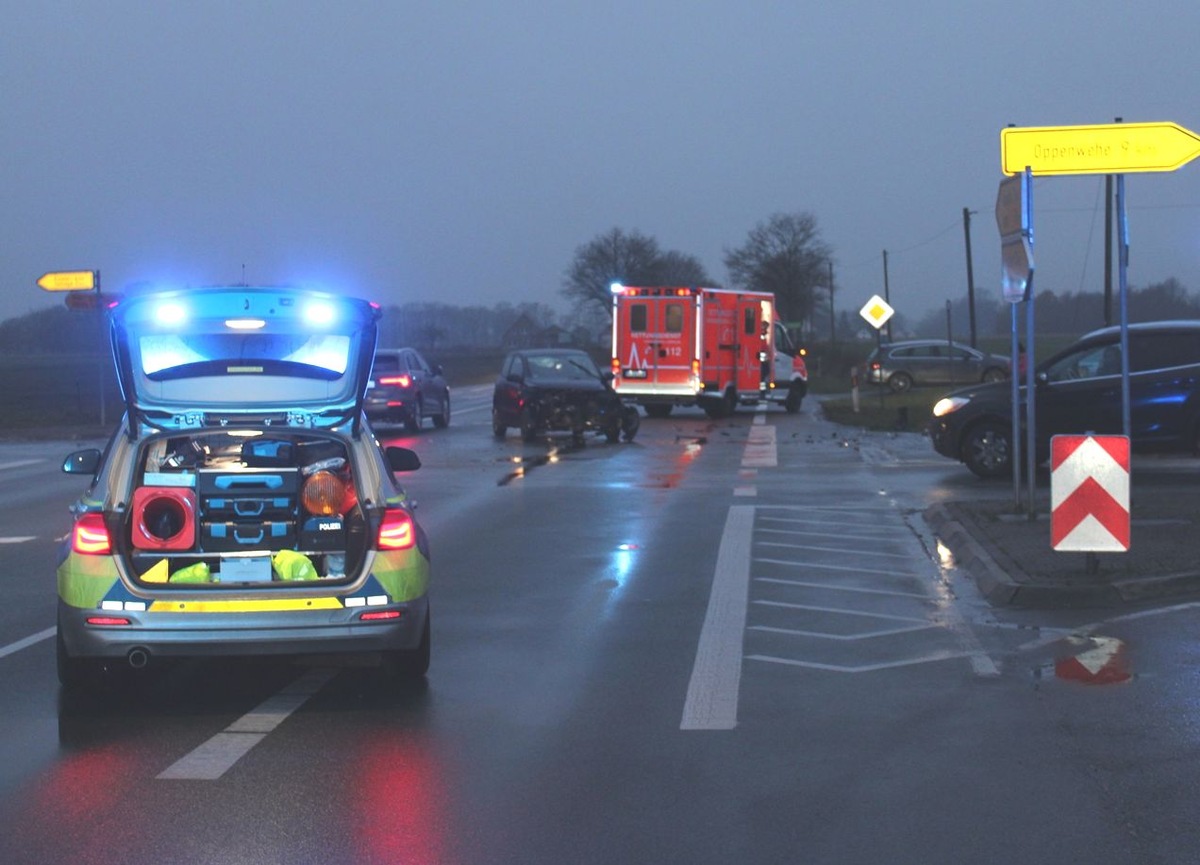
696, 367
397, 531
616, 367
89, 536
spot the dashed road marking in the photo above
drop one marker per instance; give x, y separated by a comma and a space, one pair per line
31, 640
712, 695
214, 758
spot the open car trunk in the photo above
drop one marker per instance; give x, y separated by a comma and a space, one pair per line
244, 508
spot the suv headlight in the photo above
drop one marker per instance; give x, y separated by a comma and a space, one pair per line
948, 404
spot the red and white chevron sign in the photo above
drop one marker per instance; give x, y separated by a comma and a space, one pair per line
1089, 493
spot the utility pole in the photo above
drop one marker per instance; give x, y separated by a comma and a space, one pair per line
970, 275
886, 294
1108, 246
832, 317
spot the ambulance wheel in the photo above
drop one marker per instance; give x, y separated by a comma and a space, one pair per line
657, 410
408, 664
794, 397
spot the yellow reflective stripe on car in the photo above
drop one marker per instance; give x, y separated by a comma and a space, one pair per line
265, 606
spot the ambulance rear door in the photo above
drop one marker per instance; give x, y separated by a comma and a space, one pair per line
654, 342
756, 343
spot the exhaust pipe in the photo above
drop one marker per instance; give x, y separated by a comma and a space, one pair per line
138, 657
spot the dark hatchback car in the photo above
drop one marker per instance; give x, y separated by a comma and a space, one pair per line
1078, 391
405, 389
558, 390
915, 363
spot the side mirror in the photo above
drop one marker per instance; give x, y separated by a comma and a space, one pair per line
607, 376
83, 462
402, 459
437, 369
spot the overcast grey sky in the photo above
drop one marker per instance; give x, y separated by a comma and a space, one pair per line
461, 151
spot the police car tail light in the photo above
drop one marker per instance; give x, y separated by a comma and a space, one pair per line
324, 494
397, 531
108, 621
90, 536
381, 615
396, 380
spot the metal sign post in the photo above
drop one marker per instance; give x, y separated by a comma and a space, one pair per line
1014, 218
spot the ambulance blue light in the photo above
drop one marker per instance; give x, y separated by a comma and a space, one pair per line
616, 288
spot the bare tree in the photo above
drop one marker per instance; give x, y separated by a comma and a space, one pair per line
784, 255
679, 268
629, 258
611, 257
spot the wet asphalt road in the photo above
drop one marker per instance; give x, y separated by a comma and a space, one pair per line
727, 641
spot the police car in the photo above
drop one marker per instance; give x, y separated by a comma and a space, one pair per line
243, 506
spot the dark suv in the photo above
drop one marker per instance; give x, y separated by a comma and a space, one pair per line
1078, 391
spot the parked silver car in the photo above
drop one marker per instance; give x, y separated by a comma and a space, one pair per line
922, 362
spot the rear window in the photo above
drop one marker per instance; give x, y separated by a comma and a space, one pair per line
637, 317
172, 356
386, 363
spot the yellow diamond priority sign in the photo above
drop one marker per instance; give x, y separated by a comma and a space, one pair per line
68, 280
877, 312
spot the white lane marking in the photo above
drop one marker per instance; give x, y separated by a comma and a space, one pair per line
855, 551
214, 758
870, 635
31, 640
16, 464
18, 539
824, 566
868, 668
712, 696
921, 596
843, 612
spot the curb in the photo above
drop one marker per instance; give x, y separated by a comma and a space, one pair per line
1000, 589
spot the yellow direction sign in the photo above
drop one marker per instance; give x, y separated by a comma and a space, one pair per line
1112, 148
68, 280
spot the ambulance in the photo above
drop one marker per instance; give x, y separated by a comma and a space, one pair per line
712, 347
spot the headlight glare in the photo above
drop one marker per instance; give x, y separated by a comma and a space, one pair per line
946, 405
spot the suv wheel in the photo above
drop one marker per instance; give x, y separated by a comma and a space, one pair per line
413, 422
987, 450
442, 420
900, 382
499, 428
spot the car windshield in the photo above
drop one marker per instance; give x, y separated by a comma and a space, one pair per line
558, 367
